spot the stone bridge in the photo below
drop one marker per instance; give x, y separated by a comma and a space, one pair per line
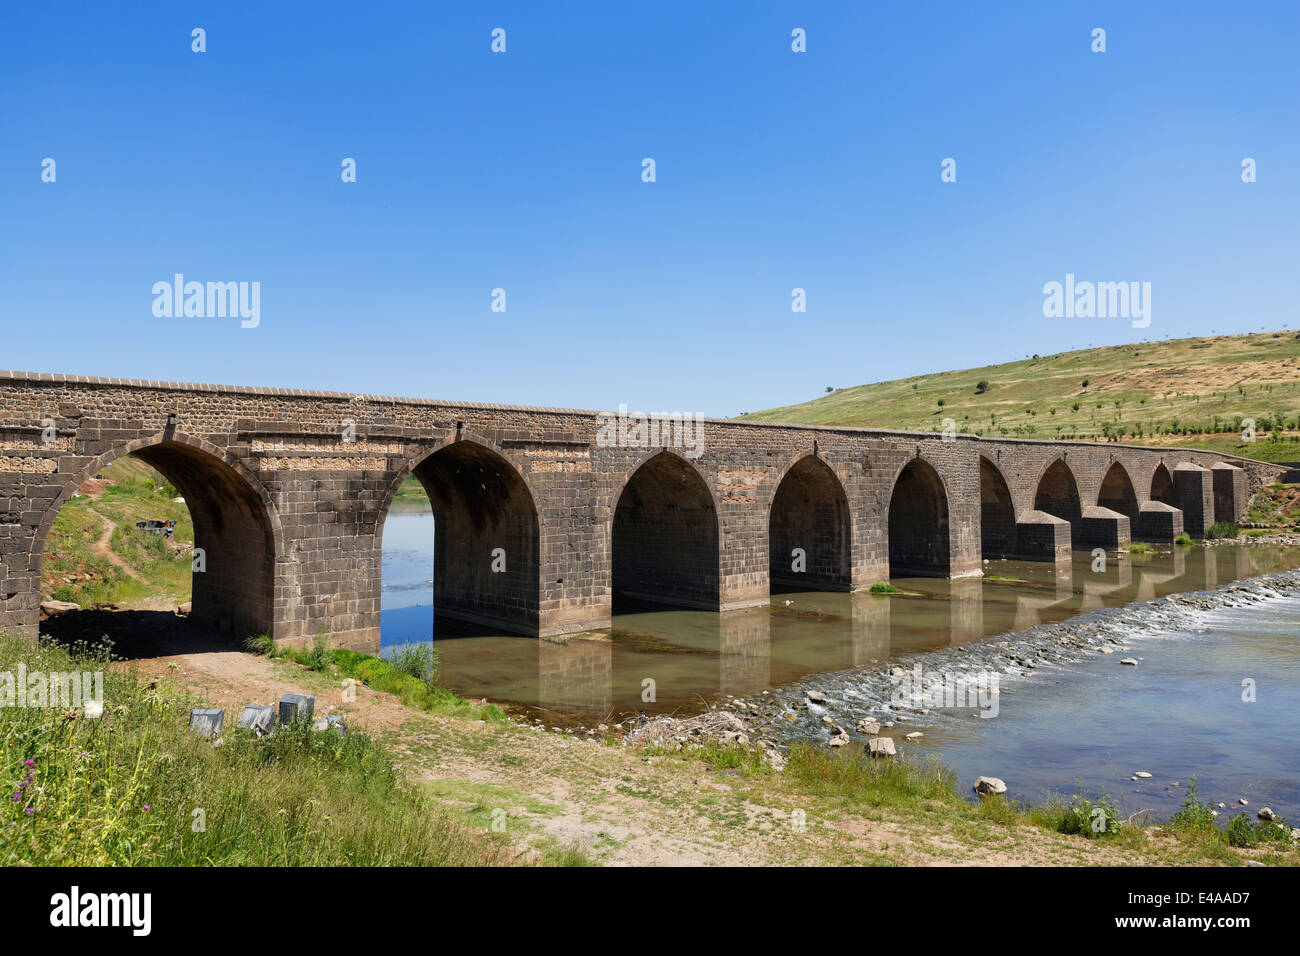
540, 525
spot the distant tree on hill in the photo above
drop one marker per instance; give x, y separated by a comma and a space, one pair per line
981, 386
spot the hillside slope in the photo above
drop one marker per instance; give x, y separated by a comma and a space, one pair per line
1189, 392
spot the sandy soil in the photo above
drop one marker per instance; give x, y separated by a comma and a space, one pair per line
618, 805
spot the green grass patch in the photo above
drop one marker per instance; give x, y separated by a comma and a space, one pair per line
884, 587
137, 788
1141, 547
384, 675
1222, 529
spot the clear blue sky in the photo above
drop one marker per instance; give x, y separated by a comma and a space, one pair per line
522, 170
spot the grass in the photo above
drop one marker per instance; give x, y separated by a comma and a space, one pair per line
1222, 529
884, 587
1195, 392
1141, 547
1185, 541
137, 788
389, 676
72, 571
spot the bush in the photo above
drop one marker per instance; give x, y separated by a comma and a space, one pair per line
883, 587
1092, 819
418, 660
1193, 816
1222, 529
1185, 540
1244, 832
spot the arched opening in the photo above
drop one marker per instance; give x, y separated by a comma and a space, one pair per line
1058, 495
485, 542
665, 538
997, 513
166, 526
1162, 485
918, 523
808, 531
1118, 495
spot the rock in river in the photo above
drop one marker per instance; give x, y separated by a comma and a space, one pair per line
987, 785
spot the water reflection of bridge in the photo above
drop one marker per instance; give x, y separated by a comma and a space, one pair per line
751, 649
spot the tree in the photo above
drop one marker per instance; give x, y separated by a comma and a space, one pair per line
981, 386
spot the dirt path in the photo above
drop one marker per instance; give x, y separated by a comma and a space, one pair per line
620, 806
103, 547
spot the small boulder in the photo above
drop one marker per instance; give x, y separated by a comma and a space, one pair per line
1129, 661
839, 740
914, 735
989, 785
814, 696
1143, 774
881, 747
55, 608
868, 727
295, 706
1266, 814
206, 722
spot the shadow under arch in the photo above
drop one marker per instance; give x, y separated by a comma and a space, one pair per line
235, 524
809, 512
919, 543
664, 540
1117, 494
1162, 485
997, 513
1057, 494
486, 537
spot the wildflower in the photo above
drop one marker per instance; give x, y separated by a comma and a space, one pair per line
146, 806
29, 810
31, 763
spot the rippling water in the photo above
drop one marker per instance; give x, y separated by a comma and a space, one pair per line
1065, 711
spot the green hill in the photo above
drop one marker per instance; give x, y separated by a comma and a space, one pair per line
1185, 392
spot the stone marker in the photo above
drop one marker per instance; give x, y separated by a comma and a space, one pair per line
207, 723
259, 718
330, 722
881, 747
294, 706
986, 785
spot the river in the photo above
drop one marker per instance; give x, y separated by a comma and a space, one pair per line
1215, 690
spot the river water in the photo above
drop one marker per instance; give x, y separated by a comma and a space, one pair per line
1215, 691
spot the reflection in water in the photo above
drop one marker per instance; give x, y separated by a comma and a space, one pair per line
693, 657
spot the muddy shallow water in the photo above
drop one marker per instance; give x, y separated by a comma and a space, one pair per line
1064, 710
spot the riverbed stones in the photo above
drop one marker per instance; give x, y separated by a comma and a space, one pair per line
881, 747
815, 696
1142, 774
259, 718
985, 786
207, 722
297, 706
839, 740
868, 727
915, 735
1266, 814
1129, 662
1242, 801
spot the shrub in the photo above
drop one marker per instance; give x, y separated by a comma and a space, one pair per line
1244, 832
1185, 540
883, 587
1092, 819
417, 660
1193, 816
1222, 529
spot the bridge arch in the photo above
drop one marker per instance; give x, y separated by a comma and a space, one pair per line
1162, 485
486, 535
919, 543
1057, 493
997, 513
1117, 494
809, 512
235, 524
664, 537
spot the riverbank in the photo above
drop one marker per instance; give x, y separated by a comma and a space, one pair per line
556, 795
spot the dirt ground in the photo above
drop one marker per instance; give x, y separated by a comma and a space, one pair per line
620, 806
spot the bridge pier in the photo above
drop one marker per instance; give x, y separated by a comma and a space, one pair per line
1102, 528
1194, 491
